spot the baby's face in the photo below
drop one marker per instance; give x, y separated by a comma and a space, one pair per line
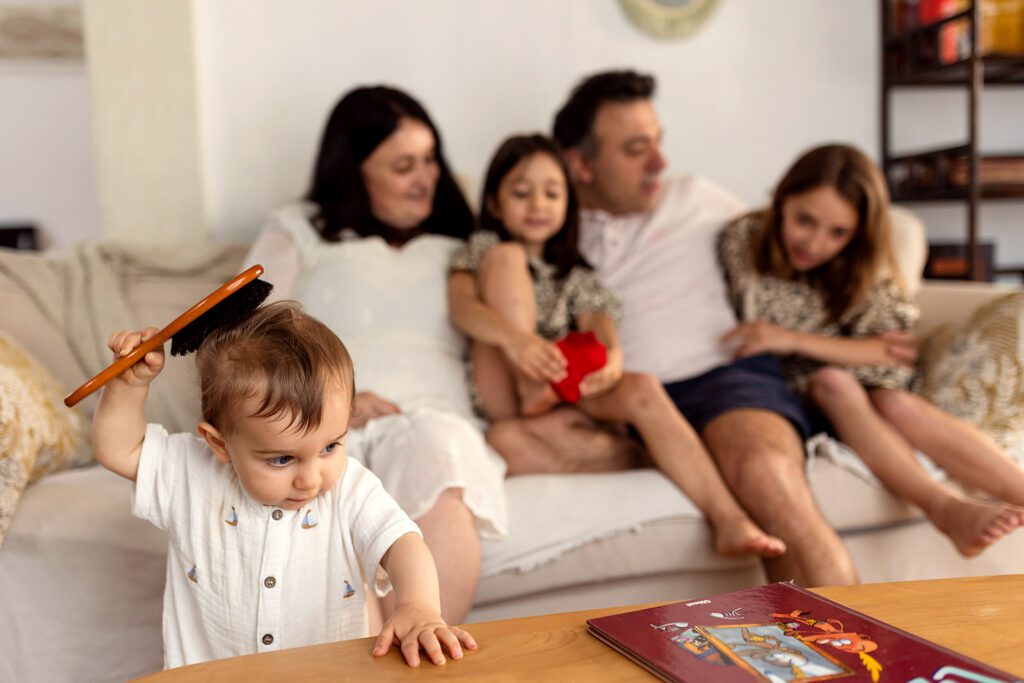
281, 466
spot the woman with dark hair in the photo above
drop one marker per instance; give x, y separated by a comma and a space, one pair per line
367, 253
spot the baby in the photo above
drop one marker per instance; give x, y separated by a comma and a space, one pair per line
272, 530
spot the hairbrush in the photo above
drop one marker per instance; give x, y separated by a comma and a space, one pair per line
226, 306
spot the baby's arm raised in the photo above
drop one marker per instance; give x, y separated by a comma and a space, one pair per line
119, 424
416, 621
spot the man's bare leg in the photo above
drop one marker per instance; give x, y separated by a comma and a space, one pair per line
563, 441
449, 530
762, 459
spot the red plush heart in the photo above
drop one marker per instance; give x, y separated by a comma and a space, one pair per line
584, 354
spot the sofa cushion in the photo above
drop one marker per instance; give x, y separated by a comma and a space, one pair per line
909, 246
81, 583
567, 530
975, 371
38, 434
550, 515
23, 321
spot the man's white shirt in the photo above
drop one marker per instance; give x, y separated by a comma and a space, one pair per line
663, 266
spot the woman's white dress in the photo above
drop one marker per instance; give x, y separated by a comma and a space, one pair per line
389, 306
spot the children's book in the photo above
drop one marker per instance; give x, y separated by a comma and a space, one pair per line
780, 633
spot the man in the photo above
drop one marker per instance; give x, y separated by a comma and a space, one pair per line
654, 244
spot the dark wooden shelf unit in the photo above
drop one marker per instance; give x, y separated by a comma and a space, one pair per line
918, 56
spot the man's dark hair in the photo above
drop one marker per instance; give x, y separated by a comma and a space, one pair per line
574, 121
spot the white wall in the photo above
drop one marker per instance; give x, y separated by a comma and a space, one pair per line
757, 84
143, 76
47, 157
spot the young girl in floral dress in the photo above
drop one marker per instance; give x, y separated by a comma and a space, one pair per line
534, 288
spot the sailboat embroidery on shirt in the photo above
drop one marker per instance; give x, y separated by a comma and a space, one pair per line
232, 519
192, 575
309, 521
349, 590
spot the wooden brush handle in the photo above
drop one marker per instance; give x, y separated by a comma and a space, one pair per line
176, 325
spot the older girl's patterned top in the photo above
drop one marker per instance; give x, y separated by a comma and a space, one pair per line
559, 301
796, 305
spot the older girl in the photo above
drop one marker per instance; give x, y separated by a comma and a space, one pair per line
813, 279
534, 287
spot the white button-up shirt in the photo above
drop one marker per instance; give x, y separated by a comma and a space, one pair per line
664, 268
243, 577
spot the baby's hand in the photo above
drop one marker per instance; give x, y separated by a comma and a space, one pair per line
143, 372
413, 627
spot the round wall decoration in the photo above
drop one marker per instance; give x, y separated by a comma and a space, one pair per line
667, 19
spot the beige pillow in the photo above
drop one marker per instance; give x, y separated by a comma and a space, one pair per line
976, 370
38, 434
909, 245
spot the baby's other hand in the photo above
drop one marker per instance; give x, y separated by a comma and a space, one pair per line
413, 628
149, 366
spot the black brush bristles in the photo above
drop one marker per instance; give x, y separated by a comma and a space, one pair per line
229, 312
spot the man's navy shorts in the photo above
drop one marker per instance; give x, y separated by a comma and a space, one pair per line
754, 382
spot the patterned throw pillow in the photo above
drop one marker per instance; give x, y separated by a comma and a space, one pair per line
976, 371
38, 434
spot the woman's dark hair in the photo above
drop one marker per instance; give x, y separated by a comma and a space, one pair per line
561, 250
575, 120
845, 279
361, 121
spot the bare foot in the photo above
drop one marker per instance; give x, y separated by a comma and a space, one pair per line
974, 526
536, 398
743, 537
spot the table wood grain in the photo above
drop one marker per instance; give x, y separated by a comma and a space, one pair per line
981, 617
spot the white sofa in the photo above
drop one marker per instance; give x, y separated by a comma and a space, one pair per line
81, 580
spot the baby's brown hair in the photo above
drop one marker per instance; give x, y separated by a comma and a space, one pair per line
280, 355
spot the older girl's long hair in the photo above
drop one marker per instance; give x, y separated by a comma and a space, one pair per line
868, 256
561, 249
359, 123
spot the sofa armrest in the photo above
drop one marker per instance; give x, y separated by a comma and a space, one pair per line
946, 301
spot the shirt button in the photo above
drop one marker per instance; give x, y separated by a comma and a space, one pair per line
270, 582
268, 639
277, 514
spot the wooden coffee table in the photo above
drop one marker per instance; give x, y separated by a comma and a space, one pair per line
979, 617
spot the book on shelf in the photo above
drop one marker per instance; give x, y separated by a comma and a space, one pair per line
780, 633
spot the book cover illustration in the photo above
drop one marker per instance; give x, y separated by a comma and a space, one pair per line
781, 633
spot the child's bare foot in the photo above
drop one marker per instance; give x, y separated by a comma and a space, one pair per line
974, 526
536, 398
743, 537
